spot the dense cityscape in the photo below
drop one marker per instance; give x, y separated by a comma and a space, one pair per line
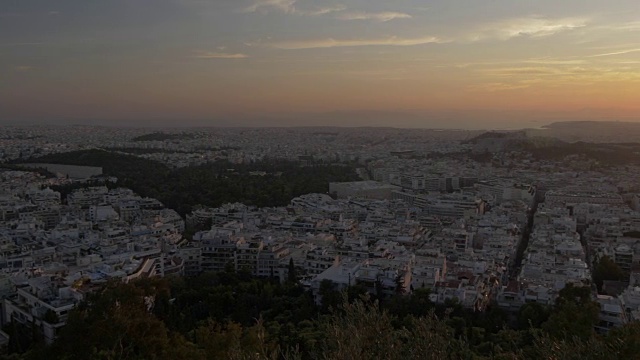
319, 179
481, 222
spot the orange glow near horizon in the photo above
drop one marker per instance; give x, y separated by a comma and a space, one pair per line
255, 59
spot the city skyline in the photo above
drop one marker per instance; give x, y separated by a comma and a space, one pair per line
306, 63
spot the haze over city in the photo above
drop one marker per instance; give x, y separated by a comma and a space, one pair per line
406, 63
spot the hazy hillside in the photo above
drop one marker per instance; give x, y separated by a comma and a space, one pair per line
590, 131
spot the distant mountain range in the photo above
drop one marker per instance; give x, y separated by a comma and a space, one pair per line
566, 131
618, 152
507, 120
590, 131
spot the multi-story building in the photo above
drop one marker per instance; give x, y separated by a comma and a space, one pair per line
42, 302
218, 248
270, 260
247, 254
192, 257
623, 257
318, 260
612, 313
88, 196
571, 197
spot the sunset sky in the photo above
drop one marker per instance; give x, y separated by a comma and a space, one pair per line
286, 62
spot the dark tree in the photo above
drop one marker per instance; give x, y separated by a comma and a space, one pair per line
292, 275
606, 269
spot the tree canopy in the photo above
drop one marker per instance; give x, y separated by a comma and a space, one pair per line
232, 315
606, 269
211, 184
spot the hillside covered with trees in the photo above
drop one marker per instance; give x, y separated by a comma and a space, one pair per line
234, 316
211, 184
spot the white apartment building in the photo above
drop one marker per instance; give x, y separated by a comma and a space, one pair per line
42, 302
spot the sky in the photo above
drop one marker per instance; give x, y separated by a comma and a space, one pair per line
405, 63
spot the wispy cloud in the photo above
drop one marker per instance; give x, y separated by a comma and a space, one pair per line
524, 71
621, 52
289, 7
332, 43
482, 65
295, 7
630, 26
497, 86
321, 10
380, 16
285, 6
54, 13
556, 75
527, 27
218, 55
544, 61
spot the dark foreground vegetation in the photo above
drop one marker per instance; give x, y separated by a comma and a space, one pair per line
211, 184
234, 316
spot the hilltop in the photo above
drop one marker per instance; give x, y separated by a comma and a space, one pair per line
590, 131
